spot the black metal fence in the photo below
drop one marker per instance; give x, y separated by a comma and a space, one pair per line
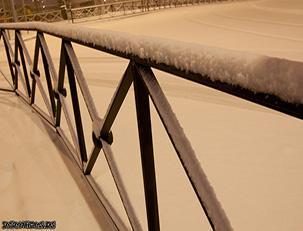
120, 8
24, 70
104, 10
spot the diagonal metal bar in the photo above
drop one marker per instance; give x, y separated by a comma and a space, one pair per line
22, 96
60, 83
22, 50
88, 99
76, 106
119, 224
102, 128
34, 70
44, 115
147, 155
49, 84
116, 101
93, 157
7, 42
46, 52
9, 55
22, 44
4, 76
16, 64
4, 89
61, 105
186, 154
44, 96
135, 224
67, 113
18, 72
69, 145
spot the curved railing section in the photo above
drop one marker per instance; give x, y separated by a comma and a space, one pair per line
105, 10
127, 7
239, 74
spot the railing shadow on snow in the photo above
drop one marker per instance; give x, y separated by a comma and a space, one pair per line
24, 70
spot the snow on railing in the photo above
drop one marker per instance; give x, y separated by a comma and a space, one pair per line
258, 73
272, 82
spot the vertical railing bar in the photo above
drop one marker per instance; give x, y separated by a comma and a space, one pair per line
147, 156
25, 75
76, 107
117, 100
70, 125
8, 43
132, 217
19, 72
60, 84
15, 64
44, 96
35, 68
22, 44
49, 84
205, 193
25, 72
61, 101
8, 56
88, 99
5, 76
45, 49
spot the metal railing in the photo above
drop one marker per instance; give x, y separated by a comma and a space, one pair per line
24, 70
48, 16
130, 7
105, 10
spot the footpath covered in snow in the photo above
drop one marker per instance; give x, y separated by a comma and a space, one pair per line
39, 182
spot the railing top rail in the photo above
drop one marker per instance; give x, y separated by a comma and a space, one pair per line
230, 71
105, 4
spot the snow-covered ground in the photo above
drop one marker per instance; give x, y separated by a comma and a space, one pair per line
251, 155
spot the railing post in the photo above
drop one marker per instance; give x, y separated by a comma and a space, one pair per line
8, 51
76, 106
147, 154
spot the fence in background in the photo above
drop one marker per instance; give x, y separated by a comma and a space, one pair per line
114, 9
105, 10
50, 16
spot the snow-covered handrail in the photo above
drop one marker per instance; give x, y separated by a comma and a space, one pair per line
257, 73
273, 82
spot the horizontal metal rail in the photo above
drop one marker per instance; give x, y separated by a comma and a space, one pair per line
25, 70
